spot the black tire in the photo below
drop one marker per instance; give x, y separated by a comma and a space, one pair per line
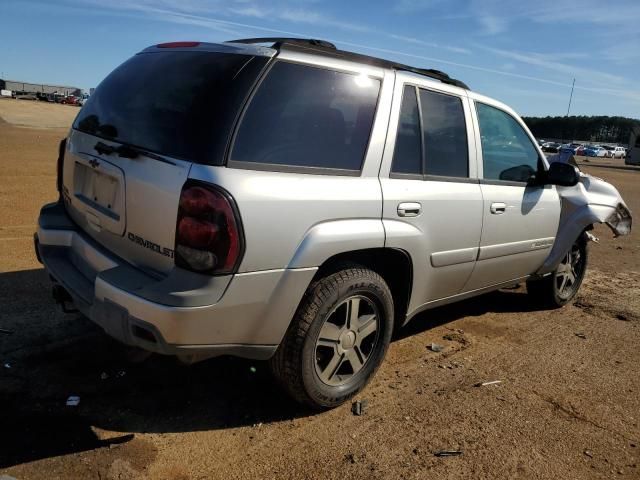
297, 362
550, 291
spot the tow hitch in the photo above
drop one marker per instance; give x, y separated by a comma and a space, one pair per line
62, 298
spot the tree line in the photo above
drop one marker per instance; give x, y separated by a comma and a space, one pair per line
595, 129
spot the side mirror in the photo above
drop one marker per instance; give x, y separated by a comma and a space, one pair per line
562, 174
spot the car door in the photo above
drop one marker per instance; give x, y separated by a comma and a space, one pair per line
520, 218
432, 205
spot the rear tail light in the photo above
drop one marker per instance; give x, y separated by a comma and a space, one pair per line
208, 230
61, 149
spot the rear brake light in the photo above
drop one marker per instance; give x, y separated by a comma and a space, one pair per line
178, 44
61, 149
208, 231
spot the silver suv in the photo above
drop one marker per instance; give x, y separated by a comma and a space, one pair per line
299, 203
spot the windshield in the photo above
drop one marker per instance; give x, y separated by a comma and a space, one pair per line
180, 104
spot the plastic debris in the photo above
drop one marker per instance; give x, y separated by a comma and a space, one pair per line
73, 401
588, 453
252, 369
581, 335
592, 238
7, 365
484, 384
358, 407
434, 347
448, 453
104, 376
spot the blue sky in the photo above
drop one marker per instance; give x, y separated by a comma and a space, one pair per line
525, 53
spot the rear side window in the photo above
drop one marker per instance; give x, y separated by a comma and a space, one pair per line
407, 156
303, 116
176, 103
432, 135
445, 135
507, 151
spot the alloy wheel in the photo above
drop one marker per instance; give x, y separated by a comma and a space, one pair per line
347, 340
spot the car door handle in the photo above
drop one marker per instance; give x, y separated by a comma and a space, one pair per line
409, 209
498, 208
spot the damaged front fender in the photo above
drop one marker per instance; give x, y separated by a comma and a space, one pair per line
591, 200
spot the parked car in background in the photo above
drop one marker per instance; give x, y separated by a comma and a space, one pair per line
26, 96
289, 214
551, 147
595, 151
580, 150
619, 152
608, 150
70, 100
633, 154
82, 99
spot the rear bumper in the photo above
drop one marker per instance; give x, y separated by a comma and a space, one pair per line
181, 314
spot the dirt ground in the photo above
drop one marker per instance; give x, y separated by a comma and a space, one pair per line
568, 406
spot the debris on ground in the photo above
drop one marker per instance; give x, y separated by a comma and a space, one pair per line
581, 335
592, 238
434, 347
104, 376
252, 369
447, 453
484, 384
121, 374
5, 331
350, 457
358, 407
456, 337
73, 401
621, 316
7, 365
588, 453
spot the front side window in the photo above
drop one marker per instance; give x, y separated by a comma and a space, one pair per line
304, 116
507, 151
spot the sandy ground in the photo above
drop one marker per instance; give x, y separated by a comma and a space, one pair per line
568, 407
34, 114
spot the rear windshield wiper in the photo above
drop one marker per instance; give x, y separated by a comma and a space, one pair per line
128, 151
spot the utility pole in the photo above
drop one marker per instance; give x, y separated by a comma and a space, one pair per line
571, 96
568, 108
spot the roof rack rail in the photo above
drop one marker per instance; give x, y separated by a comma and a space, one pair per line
431, 73
279, 41
329, 48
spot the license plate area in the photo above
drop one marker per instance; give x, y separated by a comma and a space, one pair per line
99, 192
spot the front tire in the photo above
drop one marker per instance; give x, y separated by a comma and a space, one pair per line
337, 339
562, 285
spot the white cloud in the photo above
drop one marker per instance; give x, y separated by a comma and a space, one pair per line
315, 18
492, 24
550, 63
417, 41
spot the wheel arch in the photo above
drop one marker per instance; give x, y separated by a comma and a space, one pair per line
394, 265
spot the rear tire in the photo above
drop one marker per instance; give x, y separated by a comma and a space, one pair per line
337, 339
561, 286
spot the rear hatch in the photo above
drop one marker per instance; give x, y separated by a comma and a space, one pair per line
133, 143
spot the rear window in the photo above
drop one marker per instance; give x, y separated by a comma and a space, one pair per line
303, 116
180, 104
